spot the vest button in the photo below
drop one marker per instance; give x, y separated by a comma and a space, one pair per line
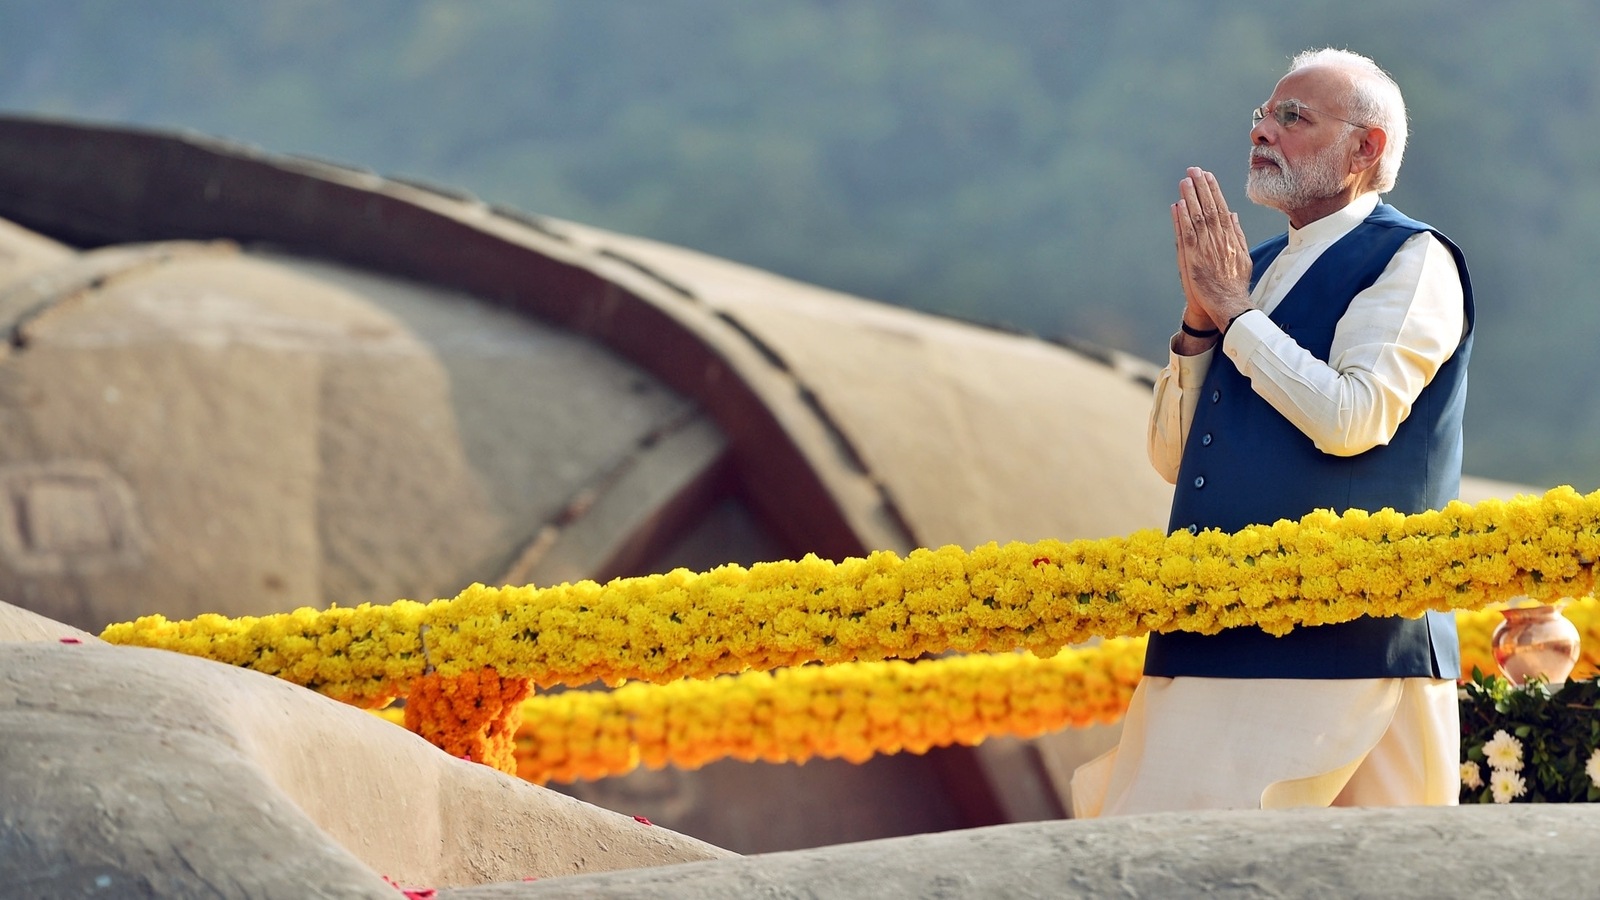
1199, 481
1194, 529
1205, 440
1216, 396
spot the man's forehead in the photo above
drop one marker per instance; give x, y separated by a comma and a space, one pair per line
1313, 85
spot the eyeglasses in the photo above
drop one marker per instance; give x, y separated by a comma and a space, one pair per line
1288, 114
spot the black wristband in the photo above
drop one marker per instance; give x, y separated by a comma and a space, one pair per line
1235, 319
1197, 332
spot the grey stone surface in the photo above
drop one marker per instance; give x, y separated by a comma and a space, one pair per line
127, 772
1517, 851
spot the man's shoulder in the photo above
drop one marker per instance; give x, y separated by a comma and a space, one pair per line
1387, 216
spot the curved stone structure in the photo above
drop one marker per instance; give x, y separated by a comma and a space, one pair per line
852, 426
145, 773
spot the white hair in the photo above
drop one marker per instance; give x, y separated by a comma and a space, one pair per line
1374, 100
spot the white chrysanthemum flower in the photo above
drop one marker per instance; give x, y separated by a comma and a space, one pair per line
1471, 775
1592, 767
1506, 786
1503, 752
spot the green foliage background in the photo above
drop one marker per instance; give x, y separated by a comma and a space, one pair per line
1007, 161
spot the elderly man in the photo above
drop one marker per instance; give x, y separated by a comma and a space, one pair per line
1324, 369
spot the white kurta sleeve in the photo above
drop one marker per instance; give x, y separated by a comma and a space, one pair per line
1177, 392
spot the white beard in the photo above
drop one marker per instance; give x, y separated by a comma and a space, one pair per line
1285, 188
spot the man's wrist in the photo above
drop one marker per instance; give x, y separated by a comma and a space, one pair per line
1194, 332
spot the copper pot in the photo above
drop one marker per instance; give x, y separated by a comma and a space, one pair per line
1535, 641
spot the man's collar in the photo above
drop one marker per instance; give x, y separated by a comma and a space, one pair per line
1334, 225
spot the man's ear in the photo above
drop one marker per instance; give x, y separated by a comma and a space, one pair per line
1369, 151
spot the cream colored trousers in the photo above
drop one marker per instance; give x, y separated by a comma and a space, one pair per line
1224, 743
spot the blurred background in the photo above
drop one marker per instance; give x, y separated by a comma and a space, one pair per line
1008, 163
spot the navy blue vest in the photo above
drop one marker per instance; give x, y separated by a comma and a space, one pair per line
1245, 464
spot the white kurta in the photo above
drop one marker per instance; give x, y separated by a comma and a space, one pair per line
1222, 743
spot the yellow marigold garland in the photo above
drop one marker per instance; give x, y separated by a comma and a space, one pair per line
848, 711
792, 715
365, 655
1324, 568
595, 734
473, 715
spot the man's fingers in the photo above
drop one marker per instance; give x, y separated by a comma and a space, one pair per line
1185, 221
1183, 237
1204, 207
1208, 208
1213, 197
1205, 201
1189, 196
